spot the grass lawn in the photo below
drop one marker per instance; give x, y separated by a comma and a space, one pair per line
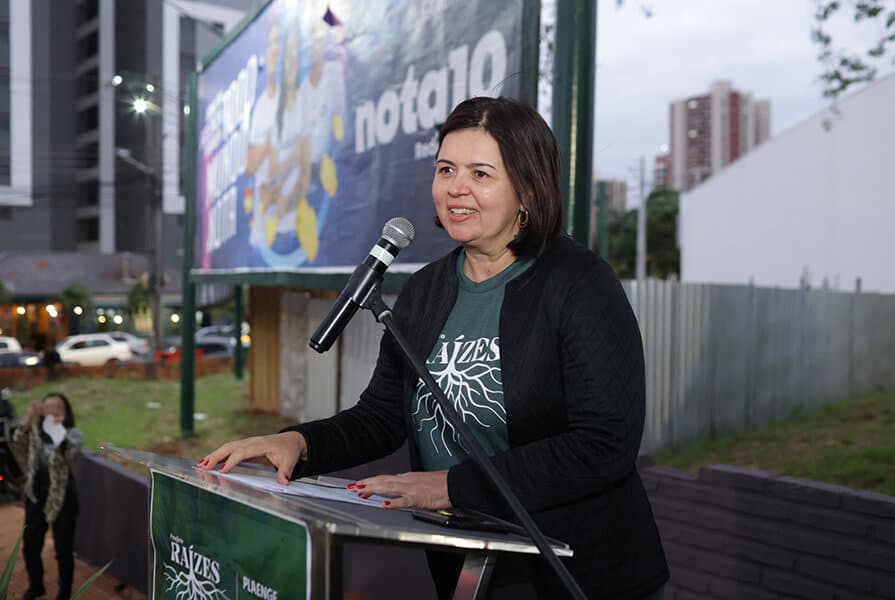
850, 443
120, 412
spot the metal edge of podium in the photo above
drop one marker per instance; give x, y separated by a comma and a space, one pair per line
340, 527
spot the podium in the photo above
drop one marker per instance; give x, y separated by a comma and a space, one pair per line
213, 537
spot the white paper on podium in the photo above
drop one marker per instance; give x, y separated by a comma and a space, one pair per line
302, 488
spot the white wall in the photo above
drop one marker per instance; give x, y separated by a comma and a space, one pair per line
809, 197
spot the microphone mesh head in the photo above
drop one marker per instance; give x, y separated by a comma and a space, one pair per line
398, 231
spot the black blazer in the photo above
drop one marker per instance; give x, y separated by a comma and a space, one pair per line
574, 391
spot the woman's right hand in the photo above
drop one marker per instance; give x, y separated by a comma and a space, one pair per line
35, 410
281, 451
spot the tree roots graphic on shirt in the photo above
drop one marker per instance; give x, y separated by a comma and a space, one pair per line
474, 391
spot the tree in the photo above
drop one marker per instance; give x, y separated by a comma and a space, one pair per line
663, 255
75, 295
137, 300
842, 68
5, 296
622, 231
663, 258
70, 297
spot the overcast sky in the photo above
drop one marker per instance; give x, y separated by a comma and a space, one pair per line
644, 63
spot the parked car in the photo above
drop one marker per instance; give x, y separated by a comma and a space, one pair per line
19, 359
226, 331
138, 345
9, 344
206, 347
215, 346
92, 349
10, 359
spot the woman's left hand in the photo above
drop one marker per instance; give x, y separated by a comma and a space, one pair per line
418, 489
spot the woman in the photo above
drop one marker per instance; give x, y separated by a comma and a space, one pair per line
46, 446
535, 342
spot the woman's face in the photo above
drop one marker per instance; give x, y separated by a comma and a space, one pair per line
474, 198
53, 406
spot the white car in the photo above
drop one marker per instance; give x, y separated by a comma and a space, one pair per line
9, 344
92, 349
226, 331
137, 344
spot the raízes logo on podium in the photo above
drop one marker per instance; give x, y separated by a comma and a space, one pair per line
195, 576
207, 546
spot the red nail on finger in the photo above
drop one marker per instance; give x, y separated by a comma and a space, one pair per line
387, 503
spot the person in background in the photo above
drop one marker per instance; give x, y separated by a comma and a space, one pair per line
46, 446
536, 345
51, 361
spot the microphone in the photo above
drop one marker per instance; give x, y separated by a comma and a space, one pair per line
396, 235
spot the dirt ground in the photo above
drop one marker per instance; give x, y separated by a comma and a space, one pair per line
12, 519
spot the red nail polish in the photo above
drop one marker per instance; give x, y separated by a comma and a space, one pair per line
360, 487
387, 503
352, 486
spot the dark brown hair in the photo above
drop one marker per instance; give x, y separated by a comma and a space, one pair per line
69, 420
531, 155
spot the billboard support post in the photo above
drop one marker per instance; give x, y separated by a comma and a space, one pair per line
188, 310
238, 351
573, 108
531, 35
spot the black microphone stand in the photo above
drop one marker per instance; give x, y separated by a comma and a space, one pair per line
374, 303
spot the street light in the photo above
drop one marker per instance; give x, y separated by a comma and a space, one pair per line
155, 263
142, 98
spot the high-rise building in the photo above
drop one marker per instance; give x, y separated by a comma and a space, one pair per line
616, 194
709, 132
660, 170
68, 94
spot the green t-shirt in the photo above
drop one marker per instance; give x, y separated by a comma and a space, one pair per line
465, 363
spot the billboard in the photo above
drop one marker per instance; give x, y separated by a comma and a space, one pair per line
318, 123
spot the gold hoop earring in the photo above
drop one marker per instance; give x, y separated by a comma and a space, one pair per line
523, 217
